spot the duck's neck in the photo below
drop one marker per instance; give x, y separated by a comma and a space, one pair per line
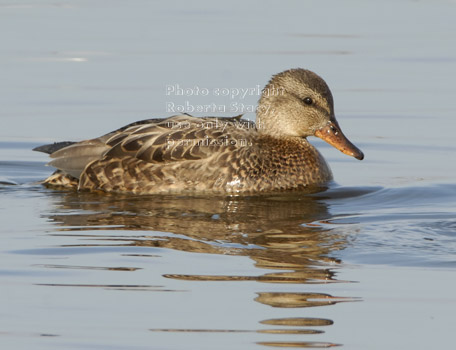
265, 114
269, 122
274, 116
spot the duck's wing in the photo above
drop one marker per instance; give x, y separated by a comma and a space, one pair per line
178, 138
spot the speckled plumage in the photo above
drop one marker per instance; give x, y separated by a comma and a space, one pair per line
184, 154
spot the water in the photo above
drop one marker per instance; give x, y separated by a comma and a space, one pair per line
368, 264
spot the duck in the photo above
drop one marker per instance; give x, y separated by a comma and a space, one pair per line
229, 155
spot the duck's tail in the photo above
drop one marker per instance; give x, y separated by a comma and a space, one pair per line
53, 147
72, 157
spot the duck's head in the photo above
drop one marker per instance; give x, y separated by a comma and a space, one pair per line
298, 103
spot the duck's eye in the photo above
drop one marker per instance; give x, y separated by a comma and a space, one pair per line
308, 101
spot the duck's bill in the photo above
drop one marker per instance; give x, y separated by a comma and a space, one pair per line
334, 136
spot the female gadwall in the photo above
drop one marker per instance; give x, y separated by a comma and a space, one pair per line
213, 155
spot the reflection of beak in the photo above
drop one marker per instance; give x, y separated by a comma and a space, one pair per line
334, 136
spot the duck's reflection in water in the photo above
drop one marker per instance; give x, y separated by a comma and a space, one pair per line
286, 233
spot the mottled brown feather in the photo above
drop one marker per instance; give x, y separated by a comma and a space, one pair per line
155, 158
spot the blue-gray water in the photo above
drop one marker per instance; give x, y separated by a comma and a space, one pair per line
368, 264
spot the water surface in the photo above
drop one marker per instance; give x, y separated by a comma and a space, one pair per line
368, 264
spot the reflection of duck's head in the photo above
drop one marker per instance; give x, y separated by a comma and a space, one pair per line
298, 103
